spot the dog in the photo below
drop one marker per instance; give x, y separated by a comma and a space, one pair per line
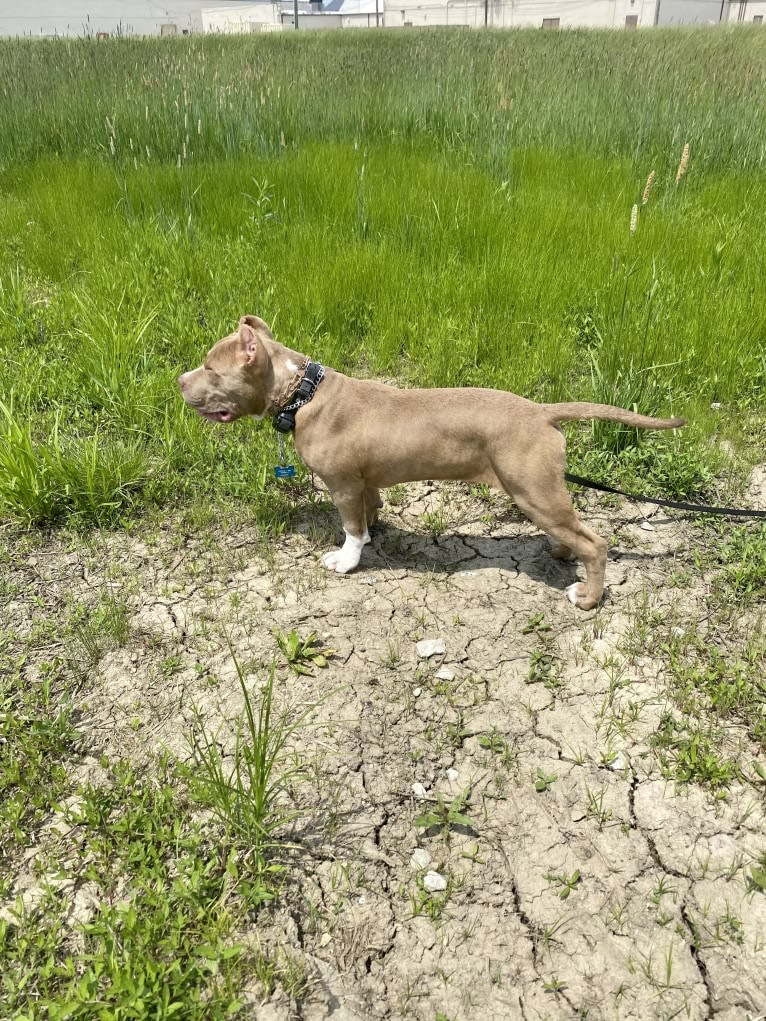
360, 436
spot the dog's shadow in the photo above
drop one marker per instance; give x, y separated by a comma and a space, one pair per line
451, 552
395, 547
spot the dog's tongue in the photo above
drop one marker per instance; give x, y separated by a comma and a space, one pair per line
218, 416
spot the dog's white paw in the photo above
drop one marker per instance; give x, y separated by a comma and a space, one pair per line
576, 594
347, 557
337, 561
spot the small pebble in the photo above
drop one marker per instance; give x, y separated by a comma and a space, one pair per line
420, 859
419, 790
433, 882
453, 775
617, 763
431, 647
647, 527
416, 692
444, 674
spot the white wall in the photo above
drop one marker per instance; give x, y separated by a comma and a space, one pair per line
235, 18
690, 12
520, 13
81, 17
748, 11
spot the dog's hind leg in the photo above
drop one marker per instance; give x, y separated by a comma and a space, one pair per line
554, 513
349, 498
561, 552
540, 493
372, 504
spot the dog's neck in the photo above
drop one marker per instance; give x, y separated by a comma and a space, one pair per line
288, 368
284, 392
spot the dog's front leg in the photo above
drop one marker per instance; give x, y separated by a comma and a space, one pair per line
348, 497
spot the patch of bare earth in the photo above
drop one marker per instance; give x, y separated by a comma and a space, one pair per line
539, 714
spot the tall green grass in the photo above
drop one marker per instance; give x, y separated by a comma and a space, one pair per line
444, 209
640, 95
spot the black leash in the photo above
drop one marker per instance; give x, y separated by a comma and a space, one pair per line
698, 508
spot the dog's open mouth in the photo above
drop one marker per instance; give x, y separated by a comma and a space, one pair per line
218, 416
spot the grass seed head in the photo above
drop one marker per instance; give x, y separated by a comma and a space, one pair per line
648, 188
634, 218
683, 164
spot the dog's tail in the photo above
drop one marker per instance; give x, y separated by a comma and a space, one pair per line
582, 409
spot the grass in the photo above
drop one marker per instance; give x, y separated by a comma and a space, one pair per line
468, 226
162, 946
169, 886
37, 737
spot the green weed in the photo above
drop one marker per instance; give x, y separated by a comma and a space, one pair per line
446, 815
251, 796
301, 654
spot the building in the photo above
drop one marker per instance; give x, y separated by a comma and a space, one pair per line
176, 17
113, 17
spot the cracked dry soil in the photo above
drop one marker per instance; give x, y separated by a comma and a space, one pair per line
535, 709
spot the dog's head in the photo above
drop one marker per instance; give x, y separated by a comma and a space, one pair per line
236, 378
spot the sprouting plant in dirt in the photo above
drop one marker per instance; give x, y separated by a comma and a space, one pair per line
554, 985
302, 653
446, 815
596, 807
544, 781
536, 625
497, 744
493, 742
565, 883
544, 666
756, 881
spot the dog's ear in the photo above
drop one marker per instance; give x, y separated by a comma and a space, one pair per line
252, 333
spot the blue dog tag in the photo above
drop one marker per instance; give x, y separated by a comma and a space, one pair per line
284, 471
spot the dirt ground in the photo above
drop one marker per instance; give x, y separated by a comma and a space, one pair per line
587, 885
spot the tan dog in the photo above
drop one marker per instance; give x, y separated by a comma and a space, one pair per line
360, 436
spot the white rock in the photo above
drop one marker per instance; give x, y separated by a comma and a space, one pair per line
419, 790
431, 647
433, 882
417, 692
453, 775
444, 674
647, 527
617, 763
420, 859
